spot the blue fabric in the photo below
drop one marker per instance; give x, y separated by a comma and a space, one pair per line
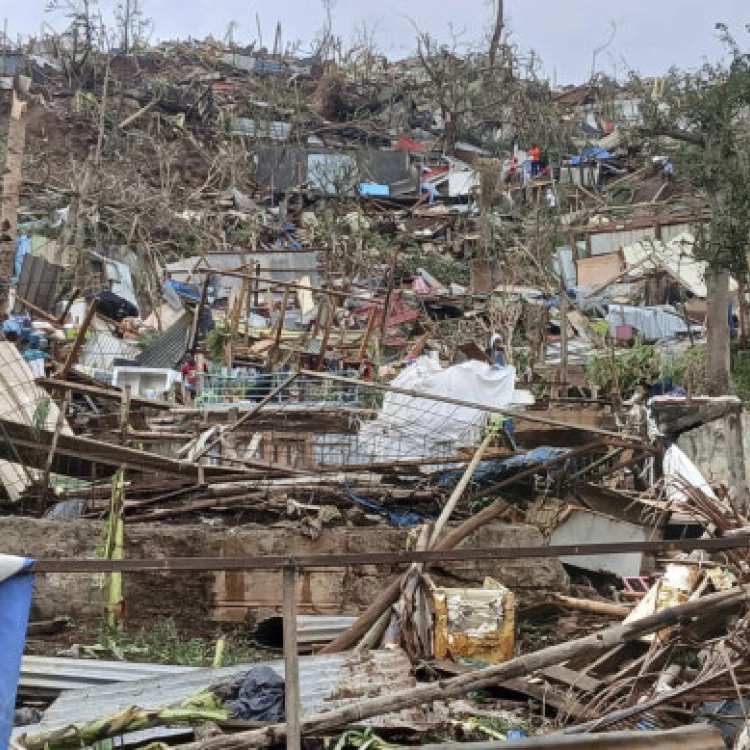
405, 520
375, 190
191, 291
20, 325
490, 472
589, 154
23, 248
15, 602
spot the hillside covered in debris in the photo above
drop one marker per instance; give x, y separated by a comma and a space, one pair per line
425, 370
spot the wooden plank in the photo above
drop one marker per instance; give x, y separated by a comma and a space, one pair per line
291, 659
599, 269
111, 394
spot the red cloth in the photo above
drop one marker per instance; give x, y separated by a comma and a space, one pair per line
188, 374
535, 154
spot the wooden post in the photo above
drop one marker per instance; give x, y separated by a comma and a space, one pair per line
10, 194
331, 306
388, 298
51, 455
564, 339
80, 338
193, 342
272, 357
291, 658
362, 354
282, 316
248, 310
742, 310
125, 414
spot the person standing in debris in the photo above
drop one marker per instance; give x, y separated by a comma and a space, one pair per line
496, 350
190, 375
668, 171
535, 155
512, 174
551, 199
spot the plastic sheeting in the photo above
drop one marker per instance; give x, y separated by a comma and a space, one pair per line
678, 466
16, 588
408, 520
490, 472
410, 427
653, 322
23, 248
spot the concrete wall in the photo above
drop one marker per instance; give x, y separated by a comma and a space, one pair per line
706, 446
249, 596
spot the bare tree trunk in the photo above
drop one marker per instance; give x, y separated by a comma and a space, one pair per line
497, 32
718, 376
738, 488
10, 194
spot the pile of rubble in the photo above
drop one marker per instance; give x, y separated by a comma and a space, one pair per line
272, 314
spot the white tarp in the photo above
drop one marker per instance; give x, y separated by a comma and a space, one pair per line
409, 427
678, 466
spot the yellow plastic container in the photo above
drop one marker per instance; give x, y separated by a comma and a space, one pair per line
475, 623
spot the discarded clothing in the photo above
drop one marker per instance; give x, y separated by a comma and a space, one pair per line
261, 697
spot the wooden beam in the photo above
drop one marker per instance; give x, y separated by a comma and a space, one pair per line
72, 357
528, 416
9, 198
111, 394
291, 659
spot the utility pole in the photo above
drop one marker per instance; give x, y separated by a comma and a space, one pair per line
10, 194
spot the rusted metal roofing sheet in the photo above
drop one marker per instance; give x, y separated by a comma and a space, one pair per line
326, 682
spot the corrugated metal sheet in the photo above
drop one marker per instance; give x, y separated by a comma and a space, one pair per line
326, 682
279, 266
22, 401
311, 630
102, 349
48, 675
38, 282
272, 130
170, 347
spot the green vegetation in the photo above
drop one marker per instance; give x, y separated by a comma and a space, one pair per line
441, 265
647, 364
217, 339
164, 643
741, 374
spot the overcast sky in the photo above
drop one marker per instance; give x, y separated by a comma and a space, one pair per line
651, 35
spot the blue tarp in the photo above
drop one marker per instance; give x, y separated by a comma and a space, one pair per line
408, 520
490, 472
191, 291
590, 154
23, 248
16, 589
374, 190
